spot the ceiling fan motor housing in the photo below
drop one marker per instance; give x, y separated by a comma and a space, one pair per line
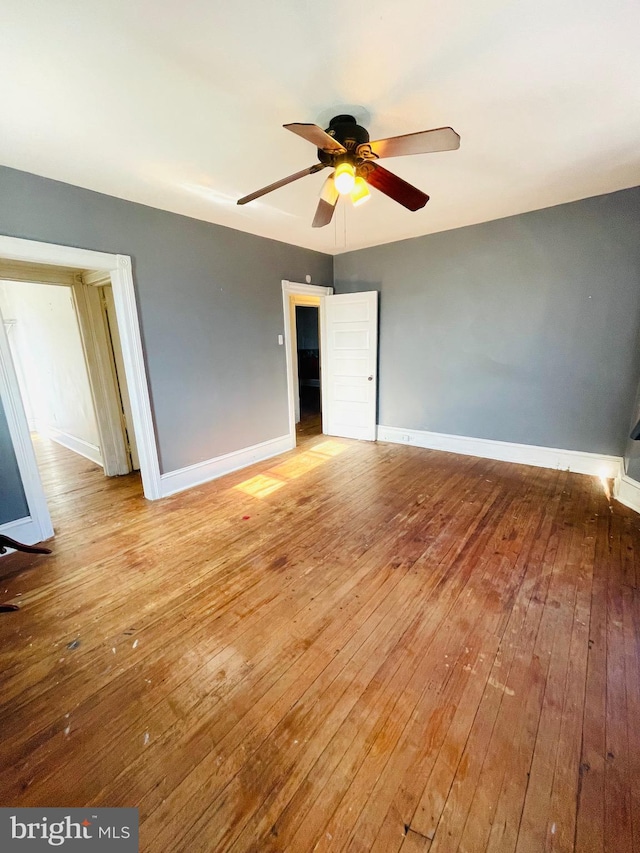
345, 130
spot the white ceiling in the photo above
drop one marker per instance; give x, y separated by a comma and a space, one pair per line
180, 105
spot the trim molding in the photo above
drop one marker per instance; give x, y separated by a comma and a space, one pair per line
580, 462
124, 297
627, 491
12, 271
211, 469
24, 530
33, 251
71, 442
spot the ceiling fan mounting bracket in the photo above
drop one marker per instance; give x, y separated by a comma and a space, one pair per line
345, 130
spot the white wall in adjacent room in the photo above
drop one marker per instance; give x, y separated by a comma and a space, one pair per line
46, 346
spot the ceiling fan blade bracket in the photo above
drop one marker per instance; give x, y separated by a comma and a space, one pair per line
366, 152
365, 168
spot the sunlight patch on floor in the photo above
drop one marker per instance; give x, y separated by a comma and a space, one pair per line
263, 485
329, 448
260, 486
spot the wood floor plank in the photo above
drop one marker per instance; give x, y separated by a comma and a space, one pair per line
631, 616
617, 788
355, 646
562, 812
589, 835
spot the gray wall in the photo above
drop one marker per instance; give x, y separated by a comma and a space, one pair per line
12, 500
210, 302
523, 329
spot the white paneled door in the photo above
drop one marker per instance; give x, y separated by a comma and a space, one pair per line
350, 364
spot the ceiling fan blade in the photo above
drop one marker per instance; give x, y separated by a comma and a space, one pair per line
324, 214
327, 204
425, 142
289, 180
316, 135
393, 186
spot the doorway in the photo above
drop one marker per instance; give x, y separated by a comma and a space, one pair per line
307, 321
75, 414
348, 359
88, 273
44, 338
302, 308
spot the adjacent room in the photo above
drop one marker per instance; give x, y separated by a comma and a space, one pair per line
319, 425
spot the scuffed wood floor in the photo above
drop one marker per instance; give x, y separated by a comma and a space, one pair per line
351, 647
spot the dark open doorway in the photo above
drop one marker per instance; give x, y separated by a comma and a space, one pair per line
308, 355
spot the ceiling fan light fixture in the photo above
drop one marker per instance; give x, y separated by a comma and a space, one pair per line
360, 192
344, 178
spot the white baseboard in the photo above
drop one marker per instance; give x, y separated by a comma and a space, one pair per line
23, 530
578, 461
627, 491
78, 445
211, 469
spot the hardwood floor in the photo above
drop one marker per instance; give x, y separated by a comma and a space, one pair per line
309, 426
354, 646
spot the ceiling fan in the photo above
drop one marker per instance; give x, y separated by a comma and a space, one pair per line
345, 147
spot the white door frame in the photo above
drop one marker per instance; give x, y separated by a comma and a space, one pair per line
120, 272
292, 288
102, 380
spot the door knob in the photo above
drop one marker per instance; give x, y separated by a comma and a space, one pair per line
370, 378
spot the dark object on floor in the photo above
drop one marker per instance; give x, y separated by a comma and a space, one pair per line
7, 542
635, 432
